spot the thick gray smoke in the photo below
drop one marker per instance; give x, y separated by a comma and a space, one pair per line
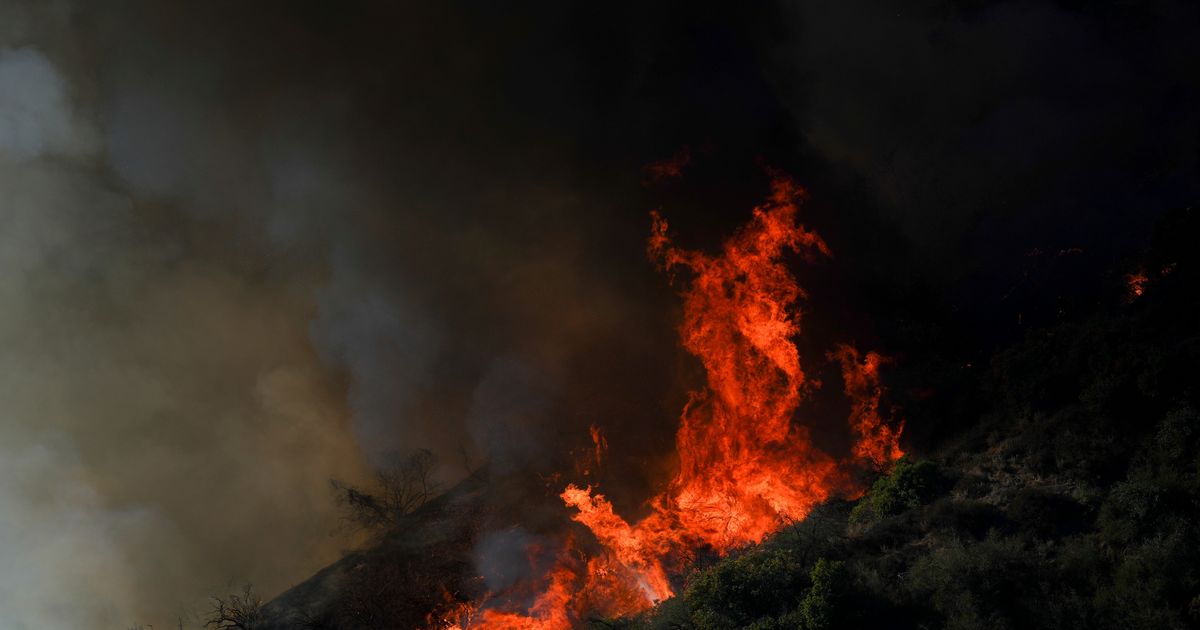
167, 427
222, 288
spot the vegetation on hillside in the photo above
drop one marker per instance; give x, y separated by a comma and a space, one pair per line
1066, 496
1073, 502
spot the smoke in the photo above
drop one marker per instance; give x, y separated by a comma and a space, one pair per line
503, 557
62, 548
227, 281
385, 347
37, 118
167, 427
511, 394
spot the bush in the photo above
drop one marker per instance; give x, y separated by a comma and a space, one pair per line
1172, 450
1132, 509
909, 485
670, 614
1152, 584
821, 606
759, 585
962, 517
1046, 514
979, 585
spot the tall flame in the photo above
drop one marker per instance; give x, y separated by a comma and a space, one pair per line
745, 465
875, 440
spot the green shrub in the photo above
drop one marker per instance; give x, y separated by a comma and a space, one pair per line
909, 485
821, 605
1152, 584
978, 585
1132, 509
1172, 450
761, 584
670, 614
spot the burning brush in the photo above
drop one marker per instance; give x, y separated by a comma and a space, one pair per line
746, 467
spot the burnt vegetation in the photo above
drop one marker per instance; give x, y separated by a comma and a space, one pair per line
237, 611
402, 486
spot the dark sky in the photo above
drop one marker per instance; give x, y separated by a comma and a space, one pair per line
251, 246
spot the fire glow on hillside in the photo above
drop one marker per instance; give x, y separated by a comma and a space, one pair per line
746, 466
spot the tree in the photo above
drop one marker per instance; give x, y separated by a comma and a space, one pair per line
237, 612
403, 485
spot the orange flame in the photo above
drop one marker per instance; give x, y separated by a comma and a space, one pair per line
574, 586
745, 466
548, 612
876, 441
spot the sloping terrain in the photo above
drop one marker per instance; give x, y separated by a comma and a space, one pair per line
1070, 499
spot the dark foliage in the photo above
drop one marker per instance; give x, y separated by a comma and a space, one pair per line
1069, 500
401, 487
747, 590
910, 485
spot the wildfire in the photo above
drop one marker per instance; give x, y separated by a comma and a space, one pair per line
575, 585
875, 440
1135, 285
745, 465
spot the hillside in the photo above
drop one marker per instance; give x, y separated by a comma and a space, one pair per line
1070, 500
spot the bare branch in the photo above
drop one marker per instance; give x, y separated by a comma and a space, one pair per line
237, 612
402, 487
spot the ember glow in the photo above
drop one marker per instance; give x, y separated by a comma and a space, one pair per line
1135, 285
746, 462
670, 168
